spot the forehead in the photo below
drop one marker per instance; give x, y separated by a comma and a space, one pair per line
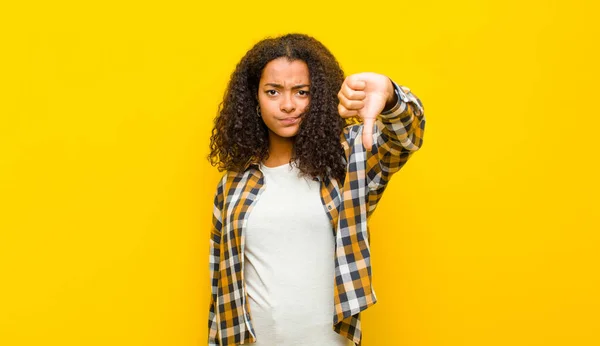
283, 70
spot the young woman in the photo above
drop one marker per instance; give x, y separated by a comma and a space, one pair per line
307, 154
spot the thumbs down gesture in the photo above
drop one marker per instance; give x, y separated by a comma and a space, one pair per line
366, 95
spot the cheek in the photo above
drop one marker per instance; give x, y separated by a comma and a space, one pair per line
268, 109
265, 104
261, 101
303, 105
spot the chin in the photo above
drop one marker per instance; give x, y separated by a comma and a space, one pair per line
288, 132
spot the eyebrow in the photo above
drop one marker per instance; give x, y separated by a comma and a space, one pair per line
279, 86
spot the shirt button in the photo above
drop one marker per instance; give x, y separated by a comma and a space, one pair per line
329, 207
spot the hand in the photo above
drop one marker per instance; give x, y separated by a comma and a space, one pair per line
365, 95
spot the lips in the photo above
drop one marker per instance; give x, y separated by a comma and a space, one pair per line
290, 120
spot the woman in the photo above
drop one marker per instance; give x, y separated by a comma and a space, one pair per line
307, 155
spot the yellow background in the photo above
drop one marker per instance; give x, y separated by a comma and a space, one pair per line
489, 236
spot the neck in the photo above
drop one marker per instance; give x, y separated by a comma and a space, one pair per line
280, 150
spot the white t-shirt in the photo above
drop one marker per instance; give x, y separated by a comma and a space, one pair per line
289, 263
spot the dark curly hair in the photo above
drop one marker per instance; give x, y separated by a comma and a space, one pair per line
240, 137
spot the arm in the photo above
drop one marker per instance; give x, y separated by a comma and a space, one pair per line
398, 134
214, 259
392, 129
393, 124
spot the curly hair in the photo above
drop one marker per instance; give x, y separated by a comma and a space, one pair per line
240, 137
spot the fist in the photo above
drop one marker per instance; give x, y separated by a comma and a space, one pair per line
365, 95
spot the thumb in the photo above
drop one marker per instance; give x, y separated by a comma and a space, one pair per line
367, 136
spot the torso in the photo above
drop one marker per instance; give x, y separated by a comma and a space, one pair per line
289, 263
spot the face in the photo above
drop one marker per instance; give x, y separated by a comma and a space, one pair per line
283, 95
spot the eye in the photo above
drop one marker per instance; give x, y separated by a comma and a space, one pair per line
271, 92
303, 92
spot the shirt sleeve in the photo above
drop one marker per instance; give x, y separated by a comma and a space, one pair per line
398, 134
214, 259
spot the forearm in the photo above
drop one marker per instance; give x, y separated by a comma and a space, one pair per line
403, 122
399, 135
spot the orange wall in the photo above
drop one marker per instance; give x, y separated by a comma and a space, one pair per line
489, 236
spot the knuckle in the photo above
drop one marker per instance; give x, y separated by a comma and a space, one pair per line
346, 82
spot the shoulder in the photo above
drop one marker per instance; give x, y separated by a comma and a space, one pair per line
231, 179
223, 188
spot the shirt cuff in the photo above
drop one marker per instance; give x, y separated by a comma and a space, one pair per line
402, 97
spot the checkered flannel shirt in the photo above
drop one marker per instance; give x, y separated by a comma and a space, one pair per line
398, 133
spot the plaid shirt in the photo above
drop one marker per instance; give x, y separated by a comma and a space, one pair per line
397, 135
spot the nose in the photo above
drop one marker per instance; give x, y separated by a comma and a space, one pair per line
287, 104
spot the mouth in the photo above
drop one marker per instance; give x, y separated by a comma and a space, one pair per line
290, 120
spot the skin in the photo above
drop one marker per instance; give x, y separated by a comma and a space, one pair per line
283, 95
